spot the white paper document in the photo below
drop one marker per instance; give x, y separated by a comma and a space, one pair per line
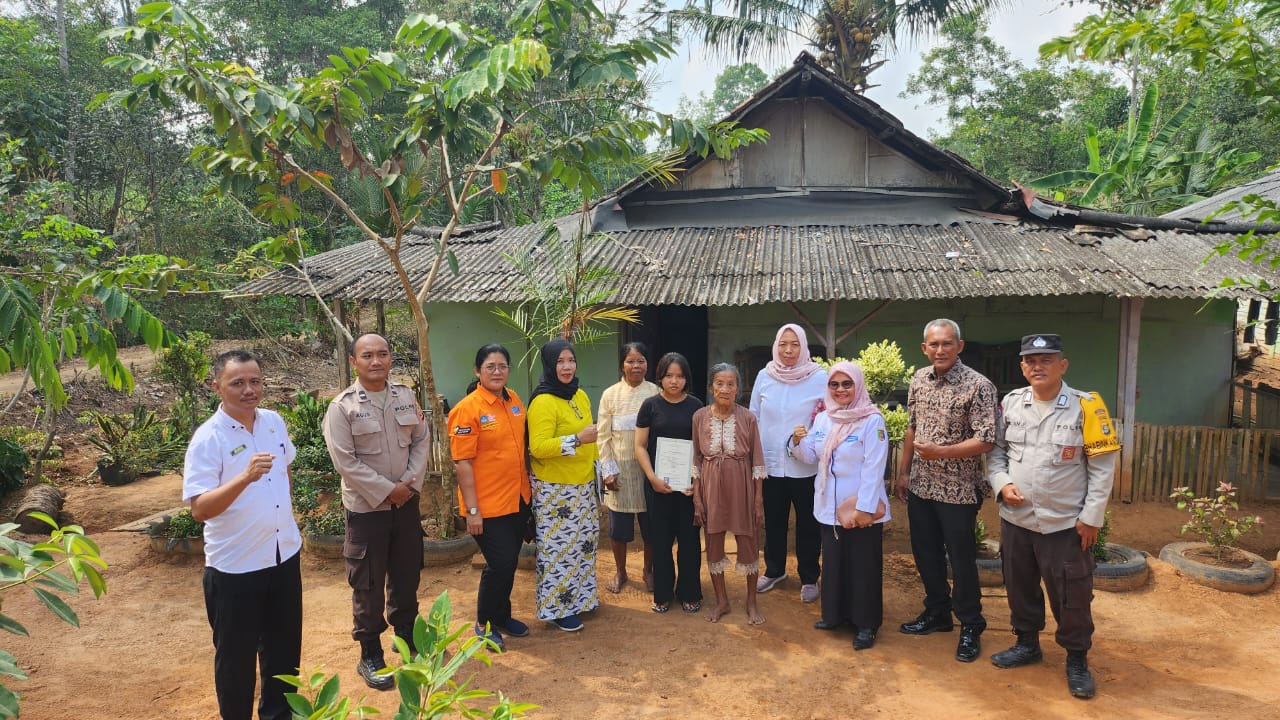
674, 463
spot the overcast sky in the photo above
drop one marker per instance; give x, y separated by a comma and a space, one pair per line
1021, 29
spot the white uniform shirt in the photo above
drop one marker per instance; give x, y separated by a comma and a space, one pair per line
245, 537
779, 407
857, 468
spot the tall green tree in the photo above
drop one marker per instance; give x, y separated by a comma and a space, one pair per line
734, 85
465, 94
847, 35
992, 100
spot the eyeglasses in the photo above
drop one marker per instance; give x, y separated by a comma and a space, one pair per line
496, 368
838, 384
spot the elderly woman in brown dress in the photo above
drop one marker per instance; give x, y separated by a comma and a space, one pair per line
728, 466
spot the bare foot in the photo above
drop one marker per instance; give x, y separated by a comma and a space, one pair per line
718, 612
618, 582
648, 580
754, 616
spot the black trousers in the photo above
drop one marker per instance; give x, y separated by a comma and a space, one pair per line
1029, 557
940, 531
853, 575
500, 544
780, 495
383, 550
671, 522
256, 619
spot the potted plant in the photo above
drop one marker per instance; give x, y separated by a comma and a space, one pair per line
180, 533
130, 444
1215, 561
324, 530
1118, 568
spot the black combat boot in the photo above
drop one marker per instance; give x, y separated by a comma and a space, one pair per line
1024, 652
1079, 680
371, 662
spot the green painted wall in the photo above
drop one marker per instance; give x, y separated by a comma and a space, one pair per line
458, 330
1184, 361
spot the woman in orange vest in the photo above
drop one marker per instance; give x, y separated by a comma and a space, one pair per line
487, 441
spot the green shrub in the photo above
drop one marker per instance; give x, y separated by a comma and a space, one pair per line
185, 363
14, 462
330, 521
884, 371
181, 525
30, 440
1099, 548
305, 421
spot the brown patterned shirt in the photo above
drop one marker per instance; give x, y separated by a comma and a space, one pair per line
956, 407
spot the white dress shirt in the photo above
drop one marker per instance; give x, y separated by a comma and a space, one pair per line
258, 527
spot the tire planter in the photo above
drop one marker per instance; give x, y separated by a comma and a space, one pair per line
328, 547
1126, 570
177, 546
448, 551
1256, 578
990, 568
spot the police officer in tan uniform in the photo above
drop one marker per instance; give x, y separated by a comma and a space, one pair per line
1051, 470
379, 443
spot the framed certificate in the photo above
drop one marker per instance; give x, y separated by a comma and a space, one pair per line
674, 463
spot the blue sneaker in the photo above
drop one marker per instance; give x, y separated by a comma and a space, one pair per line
515, 628
492, 636
570, 623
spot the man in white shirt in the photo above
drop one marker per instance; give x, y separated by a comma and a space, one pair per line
236, 477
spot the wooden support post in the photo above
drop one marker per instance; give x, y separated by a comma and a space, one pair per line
831, 329
381, 308
1127, 390
340, 349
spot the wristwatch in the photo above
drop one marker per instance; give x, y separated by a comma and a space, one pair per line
473, 511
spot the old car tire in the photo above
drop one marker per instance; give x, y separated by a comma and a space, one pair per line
1126, 570
1256, 578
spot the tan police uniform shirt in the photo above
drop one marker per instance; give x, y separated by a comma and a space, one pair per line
375, 448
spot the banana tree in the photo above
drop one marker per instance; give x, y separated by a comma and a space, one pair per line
1149, 170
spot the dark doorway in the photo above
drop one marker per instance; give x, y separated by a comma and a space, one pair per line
674, 328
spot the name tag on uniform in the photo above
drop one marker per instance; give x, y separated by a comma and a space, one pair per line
237, 451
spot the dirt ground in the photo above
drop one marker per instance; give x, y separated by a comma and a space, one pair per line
1173, 649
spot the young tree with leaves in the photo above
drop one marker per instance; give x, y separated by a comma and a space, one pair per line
463, 94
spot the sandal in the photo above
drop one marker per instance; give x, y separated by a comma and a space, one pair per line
691, 607
660, 608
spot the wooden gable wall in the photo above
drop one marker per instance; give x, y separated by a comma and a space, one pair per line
813, 145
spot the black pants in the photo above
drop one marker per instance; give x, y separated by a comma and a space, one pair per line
383, 549
1067, 571
500, 544
853, 575
780, 495
256, 619
940, 531
671, 522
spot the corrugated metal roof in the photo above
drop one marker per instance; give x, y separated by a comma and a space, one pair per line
749, 265
1268, 186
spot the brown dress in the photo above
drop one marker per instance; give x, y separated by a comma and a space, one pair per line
728, 460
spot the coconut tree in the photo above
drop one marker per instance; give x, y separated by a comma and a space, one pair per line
846, 34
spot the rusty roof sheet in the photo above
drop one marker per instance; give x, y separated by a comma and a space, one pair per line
748, 265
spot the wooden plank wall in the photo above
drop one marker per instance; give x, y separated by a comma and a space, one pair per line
1170, 456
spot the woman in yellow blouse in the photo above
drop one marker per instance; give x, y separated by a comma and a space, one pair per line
562, 443
623, 478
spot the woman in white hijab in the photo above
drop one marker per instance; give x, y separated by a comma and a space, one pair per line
788, 393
